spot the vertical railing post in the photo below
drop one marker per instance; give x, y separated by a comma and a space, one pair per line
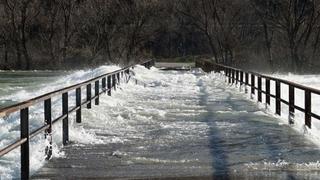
89, 96
237, 77
225, 74
241, 79
229, 75
118, 77
233, 76
114, 82
65, 123
78, 104
307, 107
96, 92
24, 150
268, 91
246, 82
109, 85
48, 132
252, 85
291, 104
104, 84
127, 74
259, 89
278, 97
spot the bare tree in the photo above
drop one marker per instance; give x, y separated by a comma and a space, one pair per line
296, 20
262, 13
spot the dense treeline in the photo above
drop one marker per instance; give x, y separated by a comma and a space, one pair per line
268, 34
60, 33
279, 34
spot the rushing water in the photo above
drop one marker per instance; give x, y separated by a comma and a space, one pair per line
17, 82
181, 124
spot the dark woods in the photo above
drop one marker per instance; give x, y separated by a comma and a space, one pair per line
264, 34
70, 33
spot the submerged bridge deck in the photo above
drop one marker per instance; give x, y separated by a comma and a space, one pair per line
184, 125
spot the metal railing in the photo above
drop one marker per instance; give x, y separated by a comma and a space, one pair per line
241, 77
102, 84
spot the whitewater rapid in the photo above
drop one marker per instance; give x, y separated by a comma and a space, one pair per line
171, 123
313, 81
21, 86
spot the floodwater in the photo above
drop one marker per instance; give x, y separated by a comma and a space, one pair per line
12, 82
180, 124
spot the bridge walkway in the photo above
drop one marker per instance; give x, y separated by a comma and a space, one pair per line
183, 125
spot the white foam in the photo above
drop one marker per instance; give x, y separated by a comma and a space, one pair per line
308, 80
165, 161
121, 115
9, 126
281, 165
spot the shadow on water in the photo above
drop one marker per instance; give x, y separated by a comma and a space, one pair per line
219, 150
273, 150
218, 153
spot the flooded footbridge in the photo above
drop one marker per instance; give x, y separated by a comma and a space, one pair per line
186, 125
175, 124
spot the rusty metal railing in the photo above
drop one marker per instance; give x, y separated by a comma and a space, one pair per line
102, 84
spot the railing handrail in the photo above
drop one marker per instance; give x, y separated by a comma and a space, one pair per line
300, 86
109, 81
27, 103
236, 76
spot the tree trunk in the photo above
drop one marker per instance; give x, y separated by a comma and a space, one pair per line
26, 55
23, 37
66, 32
225, 57
294, 58
18, 55
230, 52
108, 49
213, 48
51, 40
5, 54
268, 45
